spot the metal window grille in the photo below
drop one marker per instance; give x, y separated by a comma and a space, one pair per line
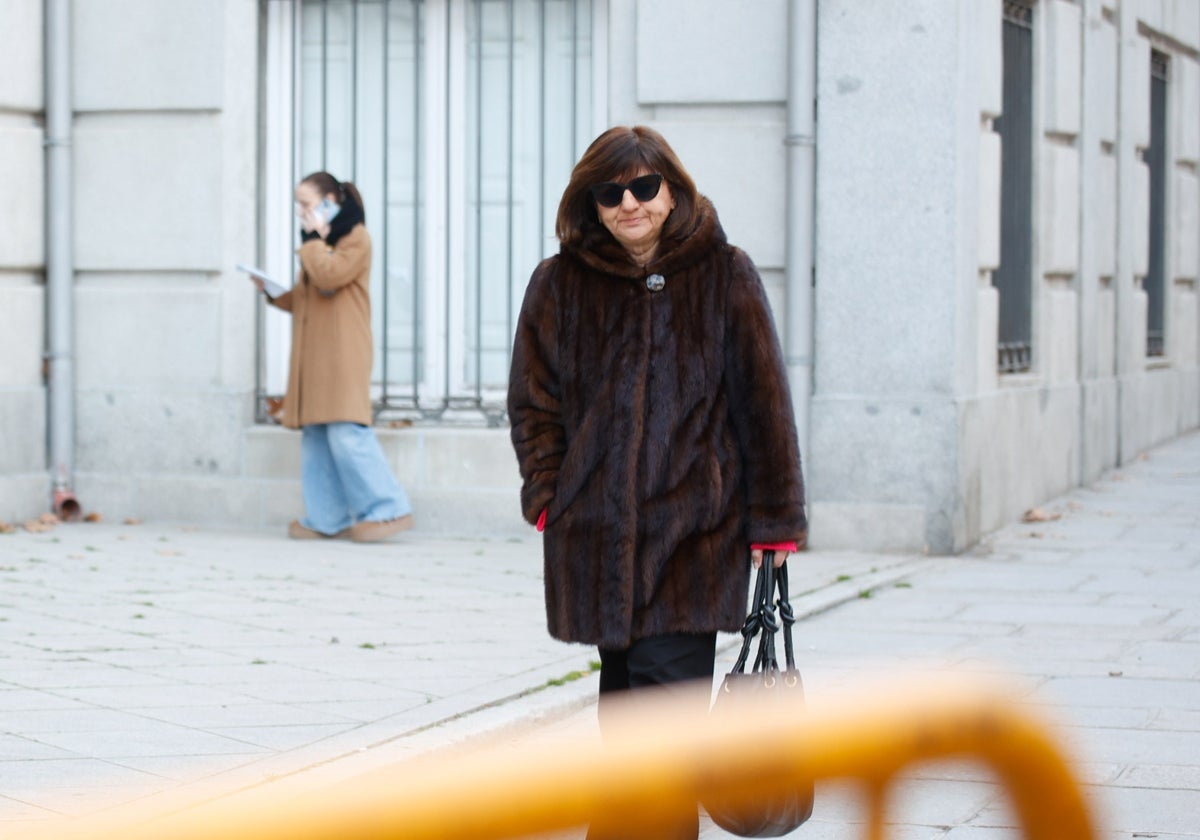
459, 120
1013, 279
528, 111
1156, 158
1019, 12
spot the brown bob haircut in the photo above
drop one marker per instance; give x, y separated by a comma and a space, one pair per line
618, 155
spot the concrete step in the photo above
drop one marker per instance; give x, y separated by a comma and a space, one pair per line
463, 481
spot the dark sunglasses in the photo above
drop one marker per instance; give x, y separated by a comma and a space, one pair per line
643, 187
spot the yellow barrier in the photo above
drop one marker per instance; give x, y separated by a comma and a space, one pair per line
667, 758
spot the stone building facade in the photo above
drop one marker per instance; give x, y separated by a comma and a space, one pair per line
978, 221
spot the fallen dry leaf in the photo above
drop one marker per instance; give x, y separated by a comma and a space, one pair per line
132, 520
399, 424
1039, 515
37, 526
93, 517
5, 528
49, 519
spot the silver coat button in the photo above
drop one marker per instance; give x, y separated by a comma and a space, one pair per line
655, 282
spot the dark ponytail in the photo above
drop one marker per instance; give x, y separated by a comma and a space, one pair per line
350, 191
326, 184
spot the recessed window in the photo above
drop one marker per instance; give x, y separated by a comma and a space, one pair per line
459, 121
1156, 159
1013, 278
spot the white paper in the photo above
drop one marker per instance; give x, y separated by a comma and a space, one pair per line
272, 288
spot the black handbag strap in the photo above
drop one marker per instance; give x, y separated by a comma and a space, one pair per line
761, 620
766, 662
788, 616
751, 626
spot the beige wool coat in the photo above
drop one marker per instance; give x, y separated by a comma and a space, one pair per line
332, 349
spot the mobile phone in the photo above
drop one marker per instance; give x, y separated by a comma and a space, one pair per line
327, 210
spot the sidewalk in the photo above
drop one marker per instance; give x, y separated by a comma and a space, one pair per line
1093, 614
155, 664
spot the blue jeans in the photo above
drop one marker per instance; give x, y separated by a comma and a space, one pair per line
346, 478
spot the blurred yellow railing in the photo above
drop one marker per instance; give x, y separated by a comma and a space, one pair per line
666, 759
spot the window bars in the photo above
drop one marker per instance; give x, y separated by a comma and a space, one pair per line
1013, 278
1019, 12
1156, 158
460, 121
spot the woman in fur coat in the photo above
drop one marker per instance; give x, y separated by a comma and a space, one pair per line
652, 421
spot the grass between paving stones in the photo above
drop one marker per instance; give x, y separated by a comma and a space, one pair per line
593, 667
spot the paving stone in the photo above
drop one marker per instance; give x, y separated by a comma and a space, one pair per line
1161, 776
1186, 720
1122, 692
67, 772
1147, 811
15, 749
1079, 617
14, 811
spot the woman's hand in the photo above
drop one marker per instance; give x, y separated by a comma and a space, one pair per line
756, 555
314, 222
781, 549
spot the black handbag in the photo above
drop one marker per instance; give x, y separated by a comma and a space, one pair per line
772, 815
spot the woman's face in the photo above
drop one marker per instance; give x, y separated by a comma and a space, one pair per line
635, 224
307, 199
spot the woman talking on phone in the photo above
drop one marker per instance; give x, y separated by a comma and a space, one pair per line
349, 489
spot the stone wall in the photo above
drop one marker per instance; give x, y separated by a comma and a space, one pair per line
24, 483
898, 237
982, 447
915, 441
165, 206
684, 67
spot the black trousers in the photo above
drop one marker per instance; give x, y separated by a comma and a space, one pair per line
672, 659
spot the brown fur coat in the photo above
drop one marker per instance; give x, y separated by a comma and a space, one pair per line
657, 429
